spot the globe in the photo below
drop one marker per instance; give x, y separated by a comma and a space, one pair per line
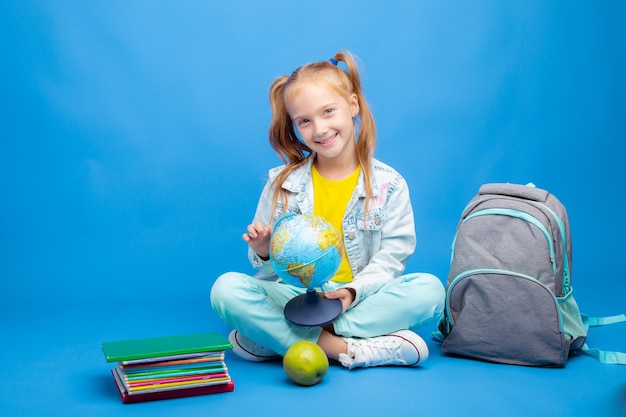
305, 250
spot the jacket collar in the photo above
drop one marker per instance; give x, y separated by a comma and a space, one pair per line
302, 175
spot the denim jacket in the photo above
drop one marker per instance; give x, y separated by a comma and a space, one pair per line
377, 248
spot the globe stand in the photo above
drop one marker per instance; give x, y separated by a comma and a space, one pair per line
312, 309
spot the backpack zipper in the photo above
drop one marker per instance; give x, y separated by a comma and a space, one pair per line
517, 214
566, 283
448, 316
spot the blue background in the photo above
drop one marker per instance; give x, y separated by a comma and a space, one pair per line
134, 148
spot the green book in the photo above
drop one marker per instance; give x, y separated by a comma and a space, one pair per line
166, 346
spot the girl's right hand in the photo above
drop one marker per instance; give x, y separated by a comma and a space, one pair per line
258, 238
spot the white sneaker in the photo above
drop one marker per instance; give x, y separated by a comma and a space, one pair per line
248, 350
403, 348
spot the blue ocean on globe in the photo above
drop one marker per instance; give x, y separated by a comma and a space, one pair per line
305, 250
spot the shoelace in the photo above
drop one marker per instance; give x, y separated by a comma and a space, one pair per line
373, 352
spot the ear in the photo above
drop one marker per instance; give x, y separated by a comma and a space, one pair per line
354, 105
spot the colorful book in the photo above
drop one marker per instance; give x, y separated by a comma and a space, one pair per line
173, 360
159, 347
169, 367
167, 383
167, 394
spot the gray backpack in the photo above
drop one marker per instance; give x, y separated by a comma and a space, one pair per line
509, 290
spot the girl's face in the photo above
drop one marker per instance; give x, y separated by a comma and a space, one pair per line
324, 120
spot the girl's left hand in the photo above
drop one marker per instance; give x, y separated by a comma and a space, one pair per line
345, 295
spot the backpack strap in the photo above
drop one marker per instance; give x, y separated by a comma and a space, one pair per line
438, 336
602, 321
613, 358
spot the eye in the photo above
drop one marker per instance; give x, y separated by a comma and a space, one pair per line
329, 111
302, 122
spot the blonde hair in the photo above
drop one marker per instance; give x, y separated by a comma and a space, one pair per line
282, 135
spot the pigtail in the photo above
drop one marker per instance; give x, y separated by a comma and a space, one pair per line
366, 140
283, 139
282, 135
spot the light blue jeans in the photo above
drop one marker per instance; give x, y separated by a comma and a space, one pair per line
255, 308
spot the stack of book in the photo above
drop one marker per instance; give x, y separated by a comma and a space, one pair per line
169, 367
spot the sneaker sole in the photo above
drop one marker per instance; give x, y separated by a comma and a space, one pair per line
419, 344
242, 352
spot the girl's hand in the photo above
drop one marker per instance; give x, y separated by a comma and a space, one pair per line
258, 238
345, 295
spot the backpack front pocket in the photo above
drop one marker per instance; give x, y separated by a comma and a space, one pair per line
504, 317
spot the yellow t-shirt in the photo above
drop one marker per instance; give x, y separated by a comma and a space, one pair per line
330, 201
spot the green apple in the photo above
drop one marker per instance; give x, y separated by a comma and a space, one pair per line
305, 363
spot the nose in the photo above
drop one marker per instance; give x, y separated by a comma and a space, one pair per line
320, 128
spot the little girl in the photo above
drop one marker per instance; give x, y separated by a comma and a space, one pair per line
324, 132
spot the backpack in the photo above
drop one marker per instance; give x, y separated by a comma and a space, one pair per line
509, 290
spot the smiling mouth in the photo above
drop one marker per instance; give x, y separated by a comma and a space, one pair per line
327, 140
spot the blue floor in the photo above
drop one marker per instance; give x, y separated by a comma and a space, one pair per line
53, 366
133, 148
